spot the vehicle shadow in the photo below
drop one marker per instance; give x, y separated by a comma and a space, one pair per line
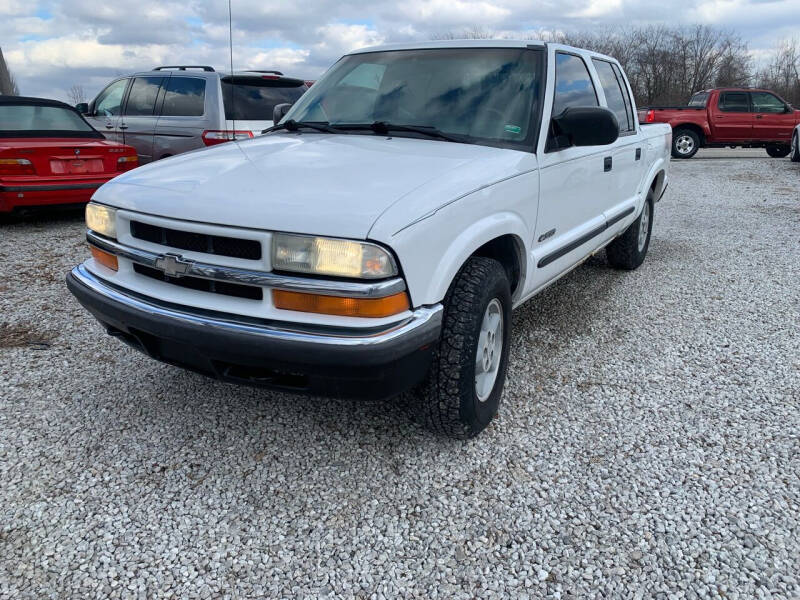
39, 215
166, 406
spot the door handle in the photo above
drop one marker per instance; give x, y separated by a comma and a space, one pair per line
607, 164
109, 126
123, 126
759, 116
638, 154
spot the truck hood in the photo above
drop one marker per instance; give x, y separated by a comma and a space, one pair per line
319, 184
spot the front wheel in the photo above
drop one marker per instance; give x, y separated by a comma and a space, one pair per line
685, 143
461, 394
778, 150
627, 252
795, 153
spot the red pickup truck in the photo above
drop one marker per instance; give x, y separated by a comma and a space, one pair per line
735, 117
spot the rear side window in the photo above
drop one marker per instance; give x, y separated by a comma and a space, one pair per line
698, 100
254, 98
615, 94
574, 85
764, 102
185, 97
142, 97
734, 102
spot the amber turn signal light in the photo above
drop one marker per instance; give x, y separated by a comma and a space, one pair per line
104, 258
343, 307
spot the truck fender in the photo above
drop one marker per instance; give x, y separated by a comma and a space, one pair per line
432, 289
704, 126
658, 166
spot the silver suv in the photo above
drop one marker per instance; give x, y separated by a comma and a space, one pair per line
174, 109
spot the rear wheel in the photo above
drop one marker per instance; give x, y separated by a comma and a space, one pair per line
461, 394
795, 153
628, 250
685, 143
778, 150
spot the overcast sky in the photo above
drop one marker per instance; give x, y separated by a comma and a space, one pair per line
51, 45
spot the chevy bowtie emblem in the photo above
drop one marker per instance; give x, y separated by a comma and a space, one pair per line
77, 151
173, 265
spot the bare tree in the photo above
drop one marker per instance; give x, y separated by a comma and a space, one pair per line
664, 64
8, 84
76, 94
473, 33
782, 74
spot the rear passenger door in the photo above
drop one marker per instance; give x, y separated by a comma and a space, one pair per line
771, 122
626, 153
733, 120
138, 123
183, 116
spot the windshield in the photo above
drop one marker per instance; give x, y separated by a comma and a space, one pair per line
31, 120
486, 95
254, 98
698, 100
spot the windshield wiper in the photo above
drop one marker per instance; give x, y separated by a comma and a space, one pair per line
292, 125
383, 128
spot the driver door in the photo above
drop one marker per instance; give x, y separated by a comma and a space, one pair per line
105, 112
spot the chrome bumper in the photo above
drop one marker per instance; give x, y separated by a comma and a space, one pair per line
260, 340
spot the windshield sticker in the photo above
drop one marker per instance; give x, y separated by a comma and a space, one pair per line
513, 129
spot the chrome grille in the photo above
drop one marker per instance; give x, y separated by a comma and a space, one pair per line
197, 242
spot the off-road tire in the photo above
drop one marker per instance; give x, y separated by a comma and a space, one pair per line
447, 402
677, 145
778, 150
625, 251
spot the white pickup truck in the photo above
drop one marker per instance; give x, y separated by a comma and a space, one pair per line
377, 239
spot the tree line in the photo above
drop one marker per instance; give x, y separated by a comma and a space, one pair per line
667, 64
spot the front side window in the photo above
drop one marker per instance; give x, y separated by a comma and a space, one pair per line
698, 100
254, 98
484, 95
615, 96
142, 97
109, 102
574, 85
764, 102
734, 102
184, 97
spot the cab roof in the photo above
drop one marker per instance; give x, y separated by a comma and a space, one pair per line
452, 44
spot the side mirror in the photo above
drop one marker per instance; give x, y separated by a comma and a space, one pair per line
279, 112
584, 126
788, 108
82, 108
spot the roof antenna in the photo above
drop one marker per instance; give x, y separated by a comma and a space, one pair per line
233, 86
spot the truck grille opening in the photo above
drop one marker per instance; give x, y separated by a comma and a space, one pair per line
197, 242
236, 290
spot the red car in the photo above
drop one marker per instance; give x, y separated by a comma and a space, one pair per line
50, 155
735, 117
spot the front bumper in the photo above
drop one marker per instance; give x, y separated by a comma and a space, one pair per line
317, 360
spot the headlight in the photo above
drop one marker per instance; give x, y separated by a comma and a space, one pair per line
330, 256
101, 219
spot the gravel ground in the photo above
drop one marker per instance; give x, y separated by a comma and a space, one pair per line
647, 446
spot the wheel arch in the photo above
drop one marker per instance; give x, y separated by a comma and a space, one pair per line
700, 131
500, 236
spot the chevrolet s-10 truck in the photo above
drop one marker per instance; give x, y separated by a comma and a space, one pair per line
375, 241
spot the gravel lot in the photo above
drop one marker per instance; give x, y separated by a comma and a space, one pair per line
648, 445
